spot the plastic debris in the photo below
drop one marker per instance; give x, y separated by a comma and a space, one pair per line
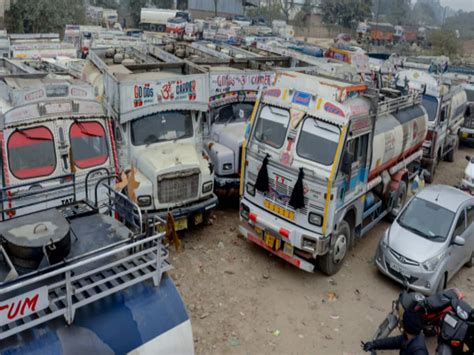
276, 333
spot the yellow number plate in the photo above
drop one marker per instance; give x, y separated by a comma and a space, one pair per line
259, 232
283, 212
464, 135
198, 219
288, 249
179, 225
270, 240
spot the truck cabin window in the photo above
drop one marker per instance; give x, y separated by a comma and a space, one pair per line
162, 126
430, 104
88, 144
31, 153
318, 141
272, 126
237, 112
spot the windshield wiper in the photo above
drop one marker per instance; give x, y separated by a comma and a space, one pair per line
85, 131
414, 230
33, 138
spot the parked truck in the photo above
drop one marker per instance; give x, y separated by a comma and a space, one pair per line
466, 133
85, 278
158, 109
52, 125
152, 19
325, 161
445, 104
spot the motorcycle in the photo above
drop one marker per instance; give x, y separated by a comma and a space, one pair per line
456, 335
432, 310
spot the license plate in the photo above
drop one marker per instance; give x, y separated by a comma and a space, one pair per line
281, 211
259, 232
288, 249
465, 135
270, 240
397, 268
198, 219
179, 225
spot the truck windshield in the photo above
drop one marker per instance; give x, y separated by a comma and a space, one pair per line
318, 141
162, 126
272, 126
88, 144
430, 104
31, 153
238, 112
422, 218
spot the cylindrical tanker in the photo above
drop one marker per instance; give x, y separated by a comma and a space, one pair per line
397, 135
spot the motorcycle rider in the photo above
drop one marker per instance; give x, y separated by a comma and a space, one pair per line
411, 342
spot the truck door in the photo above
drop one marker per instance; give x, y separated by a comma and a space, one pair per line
354, 166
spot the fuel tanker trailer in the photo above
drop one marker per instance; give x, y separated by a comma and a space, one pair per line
324, 162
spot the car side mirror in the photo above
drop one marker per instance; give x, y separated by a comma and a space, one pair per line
459, 241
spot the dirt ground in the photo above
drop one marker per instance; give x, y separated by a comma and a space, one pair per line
242, 300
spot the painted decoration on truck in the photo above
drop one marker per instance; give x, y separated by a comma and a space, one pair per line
228, 82
23, 305
154, 92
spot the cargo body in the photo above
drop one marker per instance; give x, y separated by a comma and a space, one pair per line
467, 129
309, 205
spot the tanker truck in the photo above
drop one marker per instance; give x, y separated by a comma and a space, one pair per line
445, 104
323, 162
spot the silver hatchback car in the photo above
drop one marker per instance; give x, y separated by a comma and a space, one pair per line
430, 240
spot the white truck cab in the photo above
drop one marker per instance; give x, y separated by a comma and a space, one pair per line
53, 130
158, 111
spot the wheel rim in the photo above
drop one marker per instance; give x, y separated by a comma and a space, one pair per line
340, 248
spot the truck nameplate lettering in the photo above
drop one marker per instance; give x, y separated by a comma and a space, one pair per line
23, 305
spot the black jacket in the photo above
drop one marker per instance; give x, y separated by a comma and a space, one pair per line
416, 346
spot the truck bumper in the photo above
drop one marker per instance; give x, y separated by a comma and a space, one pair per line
192, 214
296, 245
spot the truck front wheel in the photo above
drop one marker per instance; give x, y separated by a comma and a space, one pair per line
332, 262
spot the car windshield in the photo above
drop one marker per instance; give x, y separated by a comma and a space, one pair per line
237, 112
272, 126
162, 126
430, 104
318, 141
423, 218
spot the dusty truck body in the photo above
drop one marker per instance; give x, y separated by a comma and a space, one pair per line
325, 161
158, 108
445, 105
152, 19
74, 279
52, 125
466, 133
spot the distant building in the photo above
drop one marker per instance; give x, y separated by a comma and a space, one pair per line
225, 8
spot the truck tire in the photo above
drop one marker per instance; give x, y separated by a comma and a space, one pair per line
432, 170
450, 155
400, 200
332, 262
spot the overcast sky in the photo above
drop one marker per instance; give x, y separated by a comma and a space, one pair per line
466, 5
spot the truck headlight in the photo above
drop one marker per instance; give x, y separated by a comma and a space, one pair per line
207, 187
315, 219
144, 200
251, 189
432, 264
227, 166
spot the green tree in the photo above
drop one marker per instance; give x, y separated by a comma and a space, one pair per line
39, 16
445, 43
463, 22
347, 13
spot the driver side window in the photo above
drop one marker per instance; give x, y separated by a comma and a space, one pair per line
460, 224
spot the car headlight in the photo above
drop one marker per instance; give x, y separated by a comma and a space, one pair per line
144, 200
383, 241
315, 219
227, 166
207, 187
432, 264
251, 189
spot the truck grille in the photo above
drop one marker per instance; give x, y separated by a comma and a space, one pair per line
469, 122
178, 187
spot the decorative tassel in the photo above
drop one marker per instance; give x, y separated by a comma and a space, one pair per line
262, 179
297, 196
